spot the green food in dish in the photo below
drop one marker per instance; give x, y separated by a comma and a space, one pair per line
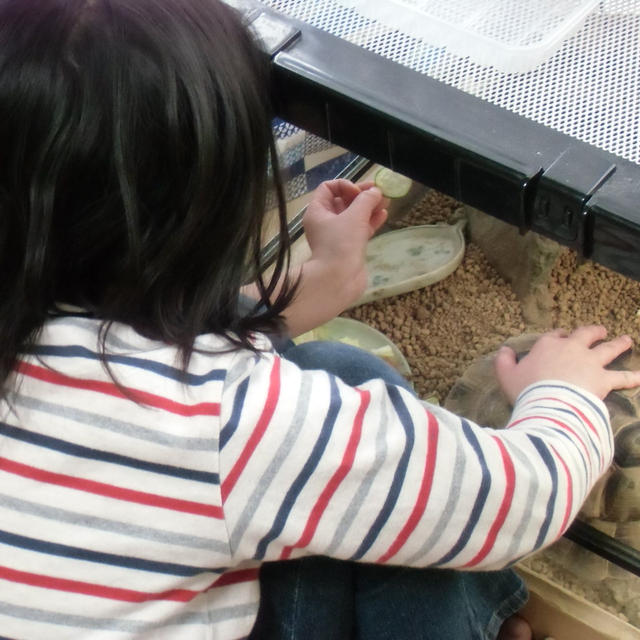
393, 185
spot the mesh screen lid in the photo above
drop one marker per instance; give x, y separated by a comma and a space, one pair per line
511, 35
589, 88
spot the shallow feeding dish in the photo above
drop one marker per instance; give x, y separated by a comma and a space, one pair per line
412, 258
361, 335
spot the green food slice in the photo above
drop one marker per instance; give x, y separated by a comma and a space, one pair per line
392, 184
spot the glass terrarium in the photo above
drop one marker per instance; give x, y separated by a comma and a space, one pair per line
587, 584
496, 295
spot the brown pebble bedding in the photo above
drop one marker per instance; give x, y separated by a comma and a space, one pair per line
442, 328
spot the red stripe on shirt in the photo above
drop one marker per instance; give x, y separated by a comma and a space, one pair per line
569, 507
505, 505
273, 394
588, 422
110, 491
236, 577
573, 408
561, 424
423, 494
91, 589
581, 415
111, 389
336, 479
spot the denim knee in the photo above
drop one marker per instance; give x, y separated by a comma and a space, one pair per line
351, 364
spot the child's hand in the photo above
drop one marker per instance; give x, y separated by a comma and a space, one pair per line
572, 358
338, 223
362, 203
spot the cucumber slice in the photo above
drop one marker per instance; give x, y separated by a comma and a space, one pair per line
392, 184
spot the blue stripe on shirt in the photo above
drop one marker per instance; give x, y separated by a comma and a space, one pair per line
583, 397
77, 553
560, 431
590, 441
398, 477
173, 373
481, 497
69, 448
309, 467
547, 458
238, 402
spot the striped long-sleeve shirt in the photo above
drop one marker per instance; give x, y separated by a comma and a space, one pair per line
144, 508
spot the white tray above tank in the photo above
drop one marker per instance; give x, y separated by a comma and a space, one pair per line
511, 35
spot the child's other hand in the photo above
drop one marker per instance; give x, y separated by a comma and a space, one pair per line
572, 358
363, 204
338, 223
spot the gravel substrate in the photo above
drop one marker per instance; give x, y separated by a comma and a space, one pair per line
442, 328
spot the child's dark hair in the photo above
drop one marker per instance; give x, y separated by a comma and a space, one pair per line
135, 137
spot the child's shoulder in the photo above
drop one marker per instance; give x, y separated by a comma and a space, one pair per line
84, 334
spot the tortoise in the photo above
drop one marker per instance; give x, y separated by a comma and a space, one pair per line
616, 497
613, 506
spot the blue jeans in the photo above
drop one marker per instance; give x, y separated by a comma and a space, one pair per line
318, 598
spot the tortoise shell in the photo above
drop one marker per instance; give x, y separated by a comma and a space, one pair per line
616, 497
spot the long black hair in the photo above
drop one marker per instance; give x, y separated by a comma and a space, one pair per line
135, 137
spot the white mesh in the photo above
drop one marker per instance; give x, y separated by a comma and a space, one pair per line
511, 35
589, 89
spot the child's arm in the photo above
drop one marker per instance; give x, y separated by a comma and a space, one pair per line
373, 474
338, 223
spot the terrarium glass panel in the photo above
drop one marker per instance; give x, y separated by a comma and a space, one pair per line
588, 578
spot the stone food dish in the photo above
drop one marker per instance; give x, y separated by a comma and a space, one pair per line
411, 258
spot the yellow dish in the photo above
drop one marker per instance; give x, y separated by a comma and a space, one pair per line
361, 335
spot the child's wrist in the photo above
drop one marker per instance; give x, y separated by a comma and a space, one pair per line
346, 278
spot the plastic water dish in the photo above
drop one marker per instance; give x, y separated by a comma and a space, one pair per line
361, 335
412, 258
511, 35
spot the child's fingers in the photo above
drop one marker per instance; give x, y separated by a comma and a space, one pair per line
338, 195
377, 219
505, 359
384, 204
610, 350
587, 335
328, 191
339, 204
364, 186
548, 339
504, 364
558, 333
623, 379
367, 202
344, 189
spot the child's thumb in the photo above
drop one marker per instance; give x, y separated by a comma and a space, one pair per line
504, 365
366, 202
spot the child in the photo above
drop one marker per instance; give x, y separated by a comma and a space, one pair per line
154, 449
